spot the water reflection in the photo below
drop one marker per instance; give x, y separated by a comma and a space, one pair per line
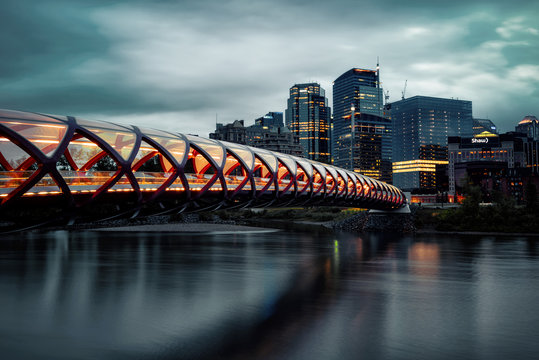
273, 295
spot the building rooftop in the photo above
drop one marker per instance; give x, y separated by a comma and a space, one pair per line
528, 119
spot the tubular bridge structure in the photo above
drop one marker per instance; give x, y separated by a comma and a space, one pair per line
71, 162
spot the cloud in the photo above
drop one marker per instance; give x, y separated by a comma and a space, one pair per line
515, 26
181, 63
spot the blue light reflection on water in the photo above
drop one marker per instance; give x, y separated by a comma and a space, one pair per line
84, 295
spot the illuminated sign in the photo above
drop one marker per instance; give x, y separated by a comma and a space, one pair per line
481, 141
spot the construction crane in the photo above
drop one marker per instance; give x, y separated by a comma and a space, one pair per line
404, 90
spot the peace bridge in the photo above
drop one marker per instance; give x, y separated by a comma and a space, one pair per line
70, 163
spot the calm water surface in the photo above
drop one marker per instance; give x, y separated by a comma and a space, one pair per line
281, 295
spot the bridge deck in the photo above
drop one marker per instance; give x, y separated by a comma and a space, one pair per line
44, 155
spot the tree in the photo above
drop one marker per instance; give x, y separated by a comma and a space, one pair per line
530, 196
472, 195
106, 163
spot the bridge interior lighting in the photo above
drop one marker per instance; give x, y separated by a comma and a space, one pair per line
42, 141
84, 143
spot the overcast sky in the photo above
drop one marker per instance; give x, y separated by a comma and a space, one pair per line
176, 64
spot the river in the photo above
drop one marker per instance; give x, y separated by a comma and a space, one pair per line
278, 295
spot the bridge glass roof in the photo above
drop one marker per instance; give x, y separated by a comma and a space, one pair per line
45, 135
212, 148
243, 152
305, 165
120, 138
289, 162
267, 156
176, 146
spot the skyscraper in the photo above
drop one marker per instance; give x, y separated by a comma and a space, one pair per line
421, 127
361, 137
308, 116
529, 126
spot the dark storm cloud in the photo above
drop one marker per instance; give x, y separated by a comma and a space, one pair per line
184, 61
91, 99
41, 36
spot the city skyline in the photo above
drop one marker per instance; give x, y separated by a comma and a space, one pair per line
182, 63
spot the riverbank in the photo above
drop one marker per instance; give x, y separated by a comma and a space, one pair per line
442, 221
499, 219
201, 227
223, 221
474, 233
269, 226
321, 220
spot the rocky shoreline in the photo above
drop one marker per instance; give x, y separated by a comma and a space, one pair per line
201, 227
379, 222
203, 222
251, 221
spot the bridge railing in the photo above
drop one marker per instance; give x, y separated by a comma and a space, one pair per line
81, 161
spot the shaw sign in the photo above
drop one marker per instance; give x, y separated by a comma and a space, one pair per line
479, 140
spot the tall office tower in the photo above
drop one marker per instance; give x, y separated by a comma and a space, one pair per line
272, 118
309, 117
359, 123
529, 126
422, 124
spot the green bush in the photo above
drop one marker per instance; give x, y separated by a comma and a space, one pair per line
501, 217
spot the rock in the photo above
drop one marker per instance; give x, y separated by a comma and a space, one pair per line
385, 222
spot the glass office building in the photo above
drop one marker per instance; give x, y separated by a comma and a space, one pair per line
361, 137
308, 116
423, 122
